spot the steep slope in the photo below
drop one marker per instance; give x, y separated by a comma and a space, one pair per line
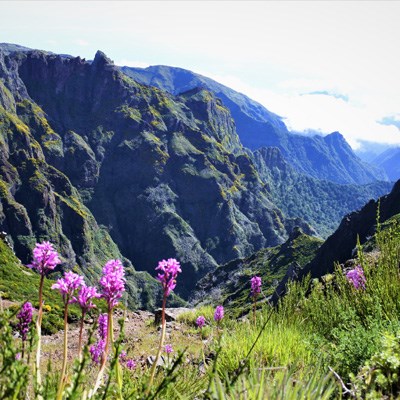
320, 203
165, 176
389, 161
340, 246
329, 158
229, 284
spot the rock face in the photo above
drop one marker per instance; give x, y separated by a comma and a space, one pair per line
320, 203
329, 158
339, 246
107, 167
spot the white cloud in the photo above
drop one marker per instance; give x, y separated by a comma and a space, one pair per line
356, 120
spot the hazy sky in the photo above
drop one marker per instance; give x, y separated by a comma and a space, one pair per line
321, 65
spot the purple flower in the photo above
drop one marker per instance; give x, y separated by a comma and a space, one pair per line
122, 356
131, 364
45, 258
112, 282
200, 321
219, 313
255, 286
103, 324
67, 285
97, 351
356, 277
168, 349
25, 318
170, 270
85, 296
18, 356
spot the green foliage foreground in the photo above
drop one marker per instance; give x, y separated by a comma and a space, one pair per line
325, 340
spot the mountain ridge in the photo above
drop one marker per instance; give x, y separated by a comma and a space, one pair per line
329, 158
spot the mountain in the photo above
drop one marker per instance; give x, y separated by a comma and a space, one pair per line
106, 167
389, 160
329, 158
320, 203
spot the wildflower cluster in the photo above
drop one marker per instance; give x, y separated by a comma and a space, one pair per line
200, 321
45, 258
67, 285
24, 319
255, 286
219, 313
168, 349
356, 277
169, 271
112, 282
97, 350
85, 296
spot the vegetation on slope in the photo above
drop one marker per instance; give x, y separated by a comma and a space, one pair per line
319, 202
229, 283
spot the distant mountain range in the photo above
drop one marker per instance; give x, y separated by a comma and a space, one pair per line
389, 161
320, 203
329, 158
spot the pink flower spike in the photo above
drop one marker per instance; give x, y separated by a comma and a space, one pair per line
219, 313
168, 349
112, 282
25, 318
45, 258
122, 356
170, 270
97, 351
131, 364
85, 296
200, 321
67, 285
356, 277
255, 285
103, 325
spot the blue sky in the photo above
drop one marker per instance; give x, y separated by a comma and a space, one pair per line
321, 65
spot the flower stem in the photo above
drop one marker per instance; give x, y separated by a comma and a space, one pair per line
39, 333
163, 329
64, 366
254, 311
80, 336
105, 355
23, 350
117, 365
